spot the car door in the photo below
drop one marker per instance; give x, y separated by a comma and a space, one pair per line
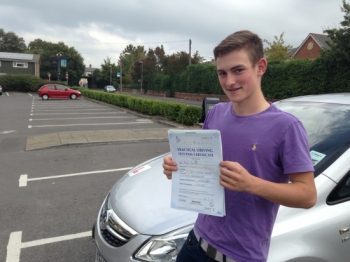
61, 91
338, 230
52, 92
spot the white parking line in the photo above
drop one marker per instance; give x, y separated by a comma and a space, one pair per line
40, 114
30, 94
78, 118
23, 179
70, 109
15, 243
146, 121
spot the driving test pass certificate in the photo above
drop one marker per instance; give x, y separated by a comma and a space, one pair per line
195, 185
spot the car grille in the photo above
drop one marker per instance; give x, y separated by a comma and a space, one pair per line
114, 231
110, 239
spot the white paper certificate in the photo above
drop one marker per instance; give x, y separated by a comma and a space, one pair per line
195, 185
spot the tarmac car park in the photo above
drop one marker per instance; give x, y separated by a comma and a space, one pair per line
50, 195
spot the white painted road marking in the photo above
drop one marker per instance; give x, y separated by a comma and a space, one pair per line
30, 94
14, 247
23, 179
70, 109
7, 132
40, 114
15, 243
30, 119
97, 124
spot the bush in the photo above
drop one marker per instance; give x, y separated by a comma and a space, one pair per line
20, 83
184, 114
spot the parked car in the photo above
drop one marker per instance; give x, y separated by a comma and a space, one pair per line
57, 91
110, 89
136, 223
0, 90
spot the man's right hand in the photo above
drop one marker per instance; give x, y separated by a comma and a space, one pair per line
169, 166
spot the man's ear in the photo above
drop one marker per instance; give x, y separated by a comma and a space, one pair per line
262, 66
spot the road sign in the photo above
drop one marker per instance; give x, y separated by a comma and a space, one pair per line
118, 74
67, 75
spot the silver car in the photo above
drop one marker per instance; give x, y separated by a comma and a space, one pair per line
110, 89
136, 223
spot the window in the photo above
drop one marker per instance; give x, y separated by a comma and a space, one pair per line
341, 192
52, 87
328, 129
20, 64
60, 88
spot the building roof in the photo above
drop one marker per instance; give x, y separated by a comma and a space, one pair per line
321, 40
19, 57
318, 38
90, 69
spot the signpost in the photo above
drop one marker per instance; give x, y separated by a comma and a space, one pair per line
49, 75
67, 76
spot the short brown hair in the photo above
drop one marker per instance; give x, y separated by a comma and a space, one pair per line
241, 40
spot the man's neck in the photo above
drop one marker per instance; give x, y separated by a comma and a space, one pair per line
251, 106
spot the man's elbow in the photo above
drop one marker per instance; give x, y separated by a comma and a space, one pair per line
311, 200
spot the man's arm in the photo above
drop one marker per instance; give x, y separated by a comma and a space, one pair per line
300, 193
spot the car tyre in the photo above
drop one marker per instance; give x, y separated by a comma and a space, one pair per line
93, 231
45, 97
73, 96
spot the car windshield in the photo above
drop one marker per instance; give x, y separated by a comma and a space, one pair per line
327, 126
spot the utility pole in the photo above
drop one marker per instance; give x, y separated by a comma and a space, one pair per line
141, 62
121, 76
189, 62
110, 75
121, 70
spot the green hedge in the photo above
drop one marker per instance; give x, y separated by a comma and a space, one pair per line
181, 113
281, 80
21, 83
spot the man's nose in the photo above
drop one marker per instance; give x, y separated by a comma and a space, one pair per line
230, 80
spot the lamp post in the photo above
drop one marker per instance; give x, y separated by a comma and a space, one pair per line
58, 65
121, 71
110, 75
141, 62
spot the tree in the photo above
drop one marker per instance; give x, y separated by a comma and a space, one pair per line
129, 57
47, 50
277, 50
10, 42
338, 53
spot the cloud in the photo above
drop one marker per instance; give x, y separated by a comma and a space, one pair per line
98, 29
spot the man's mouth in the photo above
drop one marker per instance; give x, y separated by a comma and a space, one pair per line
233, 89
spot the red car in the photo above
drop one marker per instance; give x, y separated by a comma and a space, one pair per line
57, 91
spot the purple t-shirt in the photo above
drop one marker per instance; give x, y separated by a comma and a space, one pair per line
270, 145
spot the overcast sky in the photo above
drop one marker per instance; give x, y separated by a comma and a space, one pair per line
101, 29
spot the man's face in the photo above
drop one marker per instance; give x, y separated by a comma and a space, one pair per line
238, 78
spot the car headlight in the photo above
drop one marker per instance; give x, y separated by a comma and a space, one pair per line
164, 248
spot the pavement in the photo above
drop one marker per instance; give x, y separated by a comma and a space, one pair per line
81, 138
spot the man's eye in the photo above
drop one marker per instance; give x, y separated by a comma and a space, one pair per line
221, 73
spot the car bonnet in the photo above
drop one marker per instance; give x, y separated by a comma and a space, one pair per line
142, 200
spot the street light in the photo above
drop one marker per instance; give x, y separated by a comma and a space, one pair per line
141, 62
110, 75
121, 71
58, 65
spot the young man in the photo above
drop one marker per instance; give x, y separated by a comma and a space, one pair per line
266, 160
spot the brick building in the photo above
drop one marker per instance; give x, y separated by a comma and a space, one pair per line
311, 46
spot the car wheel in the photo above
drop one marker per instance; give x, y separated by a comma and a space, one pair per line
45, 97
73, 96
93, 230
